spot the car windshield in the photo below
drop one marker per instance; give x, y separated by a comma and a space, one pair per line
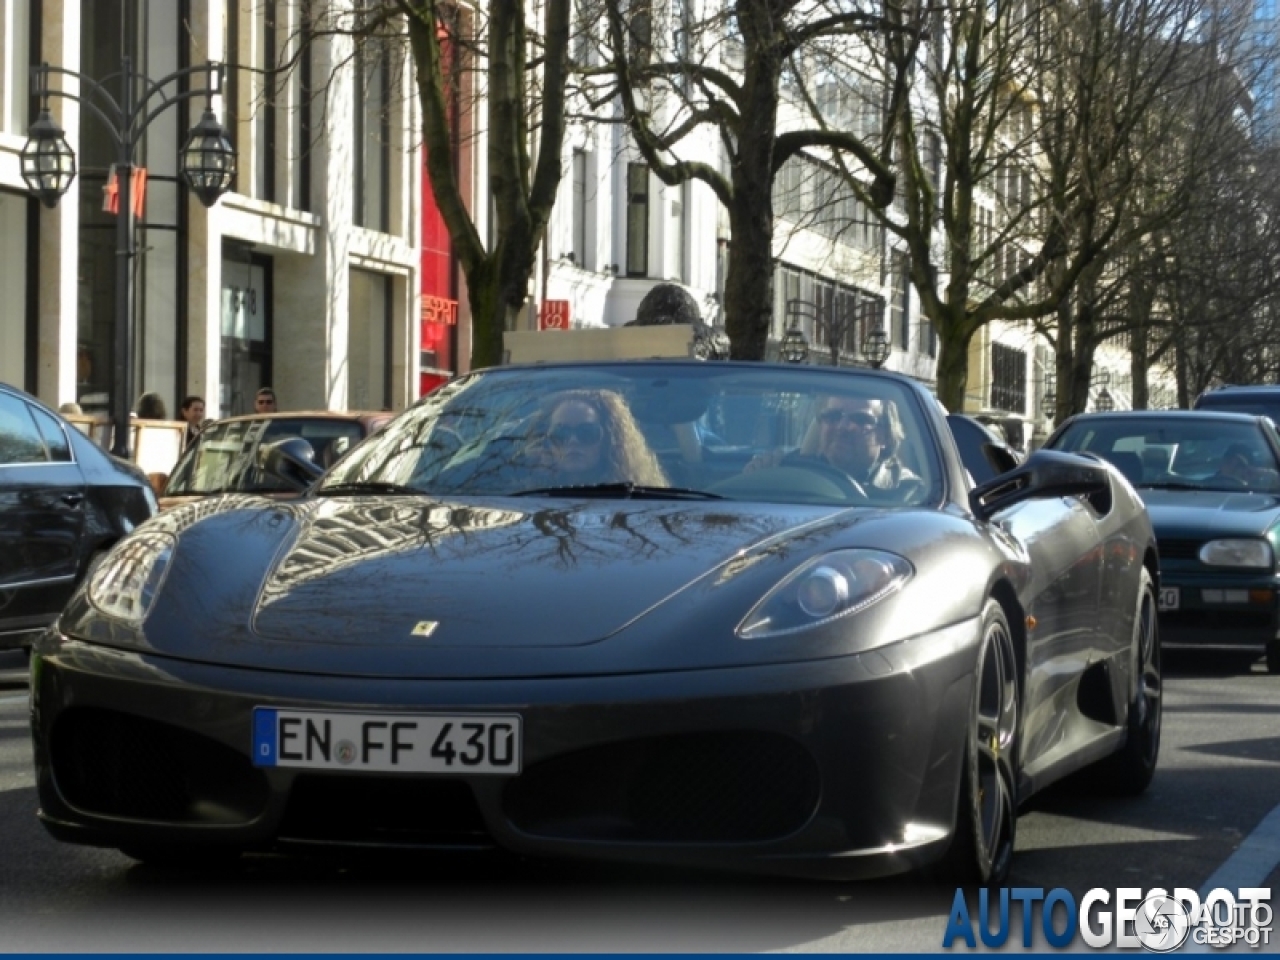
683, 429
1189, 452
224, 460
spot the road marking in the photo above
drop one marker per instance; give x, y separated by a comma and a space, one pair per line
1253, 861
1249, 866
14, 698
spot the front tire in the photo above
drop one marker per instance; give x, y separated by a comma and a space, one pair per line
981, 851
1128, 771
1273, 657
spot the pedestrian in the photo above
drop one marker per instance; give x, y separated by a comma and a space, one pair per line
265, 401
193, 414
150, 407
70, 408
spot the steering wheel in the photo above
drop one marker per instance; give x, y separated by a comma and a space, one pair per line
1231, 483
850, 487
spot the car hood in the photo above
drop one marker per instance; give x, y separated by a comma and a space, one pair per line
396, 586
1210, 513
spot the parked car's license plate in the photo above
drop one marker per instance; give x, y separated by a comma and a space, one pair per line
414, 743
1170, 597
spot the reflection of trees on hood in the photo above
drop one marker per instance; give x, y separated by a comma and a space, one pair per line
339, 534
565, 538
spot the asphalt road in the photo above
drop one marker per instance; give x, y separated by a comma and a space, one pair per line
1219, 779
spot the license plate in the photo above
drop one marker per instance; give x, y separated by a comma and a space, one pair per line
1170, 597
411, 743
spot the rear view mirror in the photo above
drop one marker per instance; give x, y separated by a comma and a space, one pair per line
292, 461
1045, 474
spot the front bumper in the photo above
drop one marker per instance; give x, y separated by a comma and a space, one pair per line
1225, 611
838, 768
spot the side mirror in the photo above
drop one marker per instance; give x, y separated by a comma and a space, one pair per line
1044, 474
292, 461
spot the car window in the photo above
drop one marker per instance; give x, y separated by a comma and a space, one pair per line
20, 441
55, 438
224, 456
329, 438
739, 433
215, 462
1238, 403
1191, 452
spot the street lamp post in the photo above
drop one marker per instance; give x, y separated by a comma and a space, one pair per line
876, 347
794, 346
207, 163
875, 343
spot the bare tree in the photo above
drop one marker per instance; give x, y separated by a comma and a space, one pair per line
511, 72
1030, 132
732, 72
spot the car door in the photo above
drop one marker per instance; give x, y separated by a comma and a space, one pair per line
1061, 536
1067, 632
42, 495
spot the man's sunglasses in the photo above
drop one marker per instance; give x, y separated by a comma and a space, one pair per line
857, 417
587, 434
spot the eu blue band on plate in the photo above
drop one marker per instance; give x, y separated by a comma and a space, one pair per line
264, 737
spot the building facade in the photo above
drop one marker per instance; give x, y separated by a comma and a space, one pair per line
308, 275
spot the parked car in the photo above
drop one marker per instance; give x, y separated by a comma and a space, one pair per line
503, 622
1211, 482
63, 502
1261, 400
225, 457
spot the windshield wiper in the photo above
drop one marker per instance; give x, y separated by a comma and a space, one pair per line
1170, 485
624, 491
369, 486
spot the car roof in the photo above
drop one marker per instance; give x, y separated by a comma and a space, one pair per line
1243, 388
1228, 415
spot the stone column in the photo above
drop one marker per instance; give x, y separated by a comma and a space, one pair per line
204, 238
311, 324
58, 250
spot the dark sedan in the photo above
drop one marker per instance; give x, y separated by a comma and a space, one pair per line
63, 503
1211, 482
740, 615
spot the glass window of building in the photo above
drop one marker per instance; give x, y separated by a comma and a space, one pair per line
637, 220
369, 341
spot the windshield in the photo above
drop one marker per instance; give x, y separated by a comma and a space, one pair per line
224, 457
691, 429
1191, 452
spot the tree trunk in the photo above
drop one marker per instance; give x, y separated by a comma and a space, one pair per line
488, 313
748, 288
953, 364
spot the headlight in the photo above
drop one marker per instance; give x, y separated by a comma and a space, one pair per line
131, 576
824, 588
1237, 553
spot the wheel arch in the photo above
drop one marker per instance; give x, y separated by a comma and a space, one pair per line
1003, 593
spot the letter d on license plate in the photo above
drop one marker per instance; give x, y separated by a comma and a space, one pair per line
413, 743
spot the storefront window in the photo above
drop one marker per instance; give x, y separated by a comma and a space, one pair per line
246, 331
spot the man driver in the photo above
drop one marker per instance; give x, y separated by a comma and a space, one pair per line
857, 435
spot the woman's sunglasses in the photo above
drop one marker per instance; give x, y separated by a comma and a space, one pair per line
857, 417
587, 434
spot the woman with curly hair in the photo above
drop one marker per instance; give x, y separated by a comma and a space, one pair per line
590, 437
